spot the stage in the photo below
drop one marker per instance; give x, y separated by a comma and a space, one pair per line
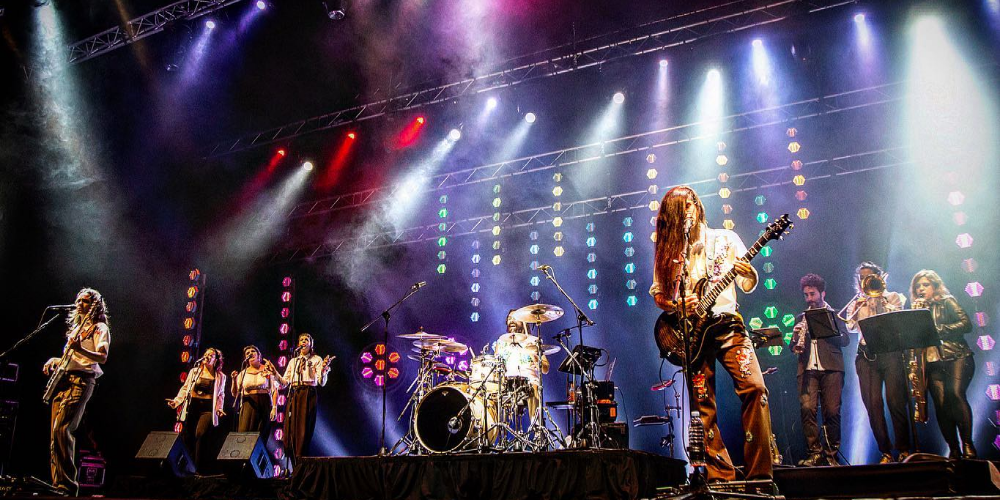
567, 475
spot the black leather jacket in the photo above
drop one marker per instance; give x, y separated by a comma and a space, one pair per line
952, 324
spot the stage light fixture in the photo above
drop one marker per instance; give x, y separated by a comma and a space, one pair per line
530, 118
335, 9
859, 18
454, 135
261, 5
758, 43
281, 152
664, 63
308, 166
492, 103
210, 24
618, 98
351, 135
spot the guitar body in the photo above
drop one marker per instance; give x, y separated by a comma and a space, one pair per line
60, 371
669, 332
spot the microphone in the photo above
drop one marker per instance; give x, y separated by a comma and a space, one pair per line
563, 334
454, 425
63, 307
418, 285
773, 369
688, 223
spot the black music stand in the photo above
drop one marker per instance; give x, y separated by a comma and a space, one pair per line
823, 324
898, 330
767, 337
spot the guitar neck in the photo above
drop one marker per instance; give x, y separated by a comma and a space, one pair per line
708, 300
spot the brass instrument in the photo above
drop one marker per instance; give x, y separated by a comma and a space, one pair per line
917, 375
872, 287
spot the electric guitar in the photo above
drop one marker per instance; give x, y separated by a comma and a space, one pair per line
60, 370
668, 330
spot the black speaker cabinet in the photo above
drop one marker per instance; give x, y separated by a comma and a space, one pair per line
166, 449
241, 448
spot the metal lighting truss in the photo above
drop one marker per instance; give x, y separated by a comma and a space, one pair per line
635, 200
683, 29
141, 27
671, 136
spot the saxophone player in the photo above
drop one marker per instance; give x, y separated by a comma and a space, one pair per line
950, 365
876, 371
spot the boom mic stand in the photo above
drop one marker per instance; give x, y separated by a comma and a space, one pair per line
382, 451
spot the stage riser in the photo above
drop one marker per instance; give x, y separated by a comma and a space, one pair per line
923, 479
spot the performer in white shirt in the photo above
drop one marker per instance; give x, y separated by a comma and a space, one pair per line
303, 374
713, 252
256, 392
519, 351
87, 343
200, 403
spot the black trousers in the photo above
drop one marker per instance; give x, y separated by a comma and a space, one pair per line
948, 382
255, 414
821, 388
68, 406
300, 422
198, 433
874, 372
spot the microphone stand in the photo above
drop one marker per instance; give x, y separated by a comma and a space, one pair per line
581, 320
386, 315
41, 326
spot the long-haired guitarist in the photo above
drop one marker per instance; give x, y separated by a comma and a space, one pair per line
712, 253
87, 342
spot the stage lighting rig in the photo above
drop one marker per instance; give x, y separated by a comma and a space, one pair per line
335, 9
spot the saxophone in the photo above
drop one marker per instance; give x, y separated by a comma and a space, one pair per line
916, 374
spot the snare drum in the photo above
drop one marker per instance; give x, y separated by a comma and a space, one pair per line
482, 372
441, 424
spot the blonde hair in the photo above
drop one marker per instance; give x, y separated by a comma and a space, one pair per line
941, 291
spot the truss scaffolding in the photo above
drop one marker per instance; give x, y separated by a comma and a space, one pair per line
141, 27
683, 29
647, 141
825, 169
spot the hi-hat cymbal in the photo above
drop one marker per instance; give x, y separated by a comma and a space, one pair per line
537, 313
421, 335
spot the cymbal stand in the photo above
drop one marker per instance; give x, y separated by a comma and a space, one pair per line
408, 444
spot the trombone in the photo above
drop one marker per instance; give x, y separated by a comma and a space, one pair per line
872, 287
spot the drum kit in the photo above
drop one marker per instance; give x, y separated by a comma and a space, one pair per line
492, 406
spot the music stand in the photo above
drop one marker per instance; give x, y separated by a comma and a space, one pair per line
823, 324
767, 337
898, 330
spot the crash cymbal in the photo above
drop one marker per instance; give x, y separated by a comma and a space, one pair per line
421, 335
537, 313
443, 345
454, 347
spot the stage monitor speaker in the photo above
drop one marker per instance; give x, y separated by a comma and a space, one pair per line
248, 447
617, 433
166, 448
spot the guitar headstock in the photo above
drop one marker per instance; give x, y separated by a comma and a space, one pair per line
778, 228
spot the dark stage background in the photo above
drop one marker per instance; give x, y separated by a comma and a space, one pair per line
149, 207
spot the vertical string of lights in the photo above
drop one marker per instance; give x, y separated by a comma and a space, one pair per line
442, 241
191, 333
654, 207
591, 242
557, 221
724, 191
974, 289
286, 328
798, 181
628, 235
497, 244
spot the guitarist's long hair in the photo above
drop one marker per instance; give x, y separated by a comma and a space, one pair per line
670, 232
98, 312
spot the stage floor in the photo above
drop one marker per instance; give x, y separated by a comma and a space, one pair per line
604, 474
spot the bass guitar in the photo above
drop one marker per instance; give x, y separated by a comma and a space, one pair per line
669, 328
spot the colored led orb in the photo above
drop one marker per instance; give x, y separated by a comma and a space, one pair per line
985, 342
442, 254
981, 319
788, 320
796, 165
441, 268
650, 158
628, 221
774, 350
960, 218
474, 317
592, 289
187, 340
178, 427
283, 345
631, 284
802, 213
286, 296
475, 288
188, 323
993, 392
762, 217
476, 258
591, 241
991, 369
496, 245
192, 291
974, 289
194, 274
725, 193
632, 300
591, 257
284, 328
794, 147
721, 160
791, 131
590, 227
592, 273
771, 312
956, 198
654, 206
443, 213
557, 206
759, 200
727, 209
964, 240
495, 231
970, 265
592, 304
630, 267
496, 260
799, 180
185, 357
723, 177
651, 173
768, 267
536, 296
728, 224
557, 191
557, 221
766, 251
629, 251
801, 195
475, 302
627, 237
533, 249
285, 312
770, 283
557, 236
497, 202
755, 323
534, 281
282, 361
191, 306
721, 146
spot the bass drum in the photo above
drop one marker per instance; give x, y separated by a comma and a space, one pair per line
442, 425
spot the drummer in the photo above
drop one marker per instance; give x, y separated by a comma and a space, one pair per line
519, 351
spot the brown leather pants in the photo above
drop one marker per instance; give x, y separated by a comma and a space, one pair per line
729, 344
